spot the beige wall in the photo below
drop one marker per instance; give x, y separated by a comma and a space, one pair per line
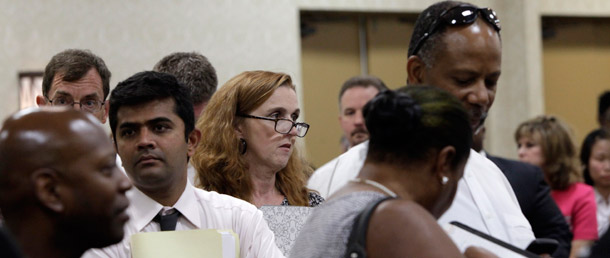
329, 56
387, 45
388, 38
576, 62
240, 35
131, 36
521, 93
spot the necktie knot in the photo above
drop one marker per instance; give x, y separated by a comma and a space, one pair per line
167, 219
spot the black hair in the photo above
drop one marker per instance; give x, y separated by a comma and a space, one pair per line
73, 64
604, 103
144, 87
585, 151
422, 25
407, 124
434, 43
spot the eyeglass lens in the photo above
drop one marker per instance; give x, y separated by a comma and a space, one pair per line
88, 105
284, 126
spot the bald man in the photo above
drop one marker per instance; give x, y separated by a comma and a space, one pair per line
61, 192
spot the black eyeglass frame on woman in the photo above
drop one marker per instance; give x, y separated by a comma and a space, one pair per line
459, 15
301, 128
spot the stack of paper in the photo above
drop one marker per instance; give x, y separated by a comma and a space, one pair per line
201, 243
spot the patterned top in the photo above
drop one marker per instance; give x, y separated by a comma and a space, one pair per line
327, 229
314, 200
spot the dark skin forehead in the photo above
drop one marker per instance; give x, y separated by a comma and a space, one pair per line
48, 137
477, 42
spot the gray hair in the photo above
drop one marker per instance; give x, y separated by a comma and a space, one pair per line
194, 71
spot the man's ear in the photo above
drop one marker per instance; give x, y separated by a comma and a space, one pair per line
415, 70
46, 189
193, 140
106, 108
41, 101
444, 160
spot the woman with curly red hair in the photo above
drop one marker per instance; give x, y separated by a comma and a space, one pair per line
248, 148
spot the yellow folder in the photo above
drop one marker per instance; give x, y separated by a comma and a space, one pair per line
201, 243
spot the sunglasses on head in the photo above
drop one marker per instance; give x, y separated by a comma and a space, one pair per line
456, 16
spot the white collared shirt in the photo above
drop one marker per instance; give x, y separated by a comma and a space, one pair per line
199, 210
603, 213
333, 175
484, 199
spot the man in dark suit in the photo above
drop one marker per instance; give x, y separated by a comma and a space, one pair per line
533, 195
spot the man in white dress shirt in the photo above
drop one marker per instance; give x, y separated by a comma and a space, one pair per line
152, 122
196, 73
456, 46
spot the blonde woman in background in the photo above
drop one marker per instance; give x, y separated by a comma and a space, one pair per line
248, 147
545, 142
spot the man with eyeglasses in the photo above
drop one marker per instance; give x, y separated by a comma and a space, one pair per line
152, 123
456, 46
77, 78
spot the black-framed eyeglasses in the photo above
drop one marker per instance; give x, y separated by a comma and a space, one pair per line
90, 105
459, 15
283, 125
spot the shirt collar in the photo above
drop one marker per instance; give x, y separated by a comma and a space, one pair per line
599, 198
187, 205
143, 209
364, 148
